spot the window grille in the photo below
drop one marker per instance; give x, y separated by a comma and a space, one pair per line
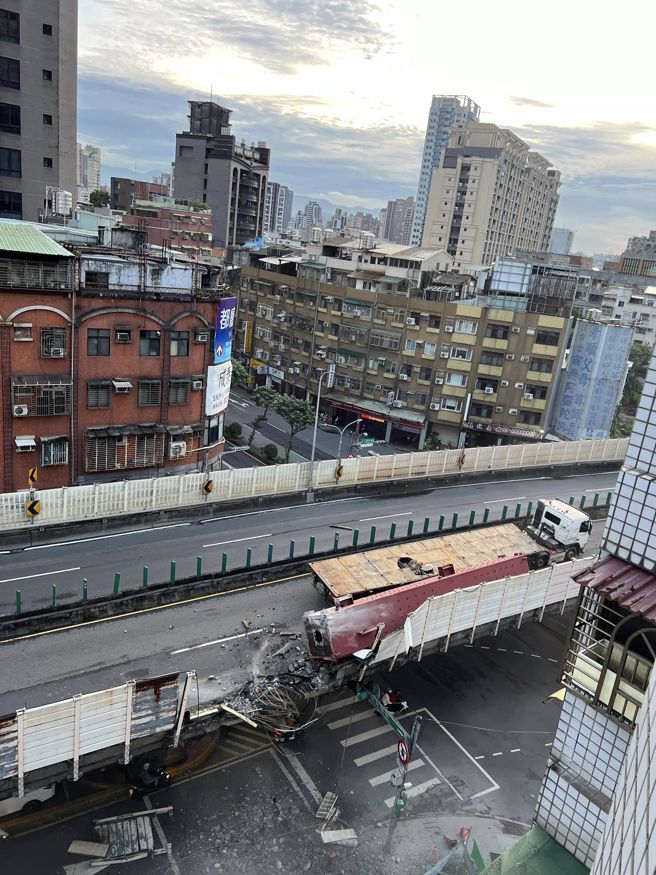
54, 451
179, 391
98, 393
150, 392
53, 342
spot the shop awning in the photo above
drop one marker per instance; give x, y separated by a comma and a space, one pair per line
25, 442
121, 384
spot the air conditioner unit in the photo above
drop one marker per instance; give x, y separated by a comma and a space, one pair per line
404, 377
243, 324
282, 315
444, 355
419, 342
57, 352
448, 329
202, 336
512, 410
439, 381
435, 407
275, 359
410, 321
489, 390
122, 336
524, 358
196, 385
259, 353
340, 360
378, 388
416, 369
530, 330
397, 403
519, 385
528, 396
504, 382
277, 297
357, 312
510, 356
177, 449
21, 410
515, 329
122, 441
498, 409
320, 354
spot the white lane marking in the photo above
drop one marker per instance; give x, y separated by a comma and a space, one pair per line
230, 467
479, 758
346, 721
365, 736
536, 655
106, 537
499, 500
335, 706
548, 744
238, 540
499, 753
519, 651
417, 790
43, 574
217, 641
307, 781
485, 647
375, 755
277, 427
385, 777
494, 786
551, 659
502, 649
368, 519
515, 749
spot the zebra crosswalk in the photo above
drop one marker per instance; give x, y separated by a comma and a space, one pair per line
371, 745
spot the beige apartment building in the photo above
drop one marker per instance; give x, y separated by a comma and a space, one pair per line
414, 358
489, 196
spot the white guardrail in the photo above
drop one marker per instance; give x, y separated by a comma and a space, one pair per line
99, 500
465, 610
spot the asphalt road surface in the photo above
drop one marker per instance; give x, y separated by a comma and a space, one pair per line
97, 558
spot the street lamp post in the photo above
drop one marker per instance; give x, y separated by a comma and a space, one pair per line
330, 373
342, 432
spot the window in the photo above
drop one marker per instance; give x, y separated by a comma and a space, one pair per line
96, 279
46, 75
150, 392
461, 352
11, 205
548, 338
484, 411
100, 453
53, 342
453, 404
98, 341
47, 118
543, 366
497, 332
539, 393
483, 383
186, 151
9, 26
466, 326
10, 162
492, 359
410, 345
179, 391
453, 379
47, 29
10, 73
434, 321
98, 393
179, 343
22, 332
51, 399
527, 417
430, 348
425, 373
150, 342
54, 451
47, 162
10, 118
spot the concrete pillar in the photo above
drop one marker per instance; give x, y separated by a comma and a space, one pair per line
388, 431
422, 436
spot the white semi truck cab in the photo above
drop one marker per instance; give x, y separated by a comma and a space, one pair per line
560, 526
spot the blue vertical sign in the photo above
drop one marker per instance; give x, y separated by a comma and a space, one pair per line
225, 320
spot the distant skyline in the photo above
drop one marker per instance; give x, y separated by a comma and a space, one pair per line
341, 93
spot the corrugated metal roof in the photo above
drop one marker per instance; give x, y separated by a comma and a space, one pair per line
23, 237
625, 584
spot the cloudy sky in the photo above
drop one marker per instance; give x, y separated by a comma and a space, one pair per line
340, 90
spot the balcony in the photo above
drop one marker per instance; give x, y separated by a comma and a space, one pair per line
538, 377
494, 343
18, 274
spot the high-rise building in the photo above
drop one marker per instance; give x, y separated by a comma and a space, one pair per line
88, 171
312, 215
123, 191
490, 195
639, 257
398, 220
230, 177
38, 106
562, 240
446, 111
277, 207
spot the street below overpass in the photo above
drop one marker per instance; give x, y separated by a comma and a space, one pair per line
98, 558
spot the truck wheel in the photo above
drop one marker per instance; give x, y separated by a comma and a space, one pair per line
570, 554
542, 561
31, 806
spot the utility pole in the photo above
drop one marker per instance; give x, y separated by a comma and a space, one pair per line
330, 373
404, 752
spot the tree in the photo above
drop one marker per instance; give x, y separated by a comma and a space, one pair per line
640, 355
297, 413
239, 375
99, 198
266, 397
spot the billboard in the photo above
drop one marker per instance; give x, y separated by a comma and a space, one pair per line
225, 320
218, 388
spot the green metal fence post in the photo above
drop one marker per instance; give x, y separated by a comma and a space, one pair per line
249, 556
571, 500
313, 541
486, 515
504, 512
292, 547
609, 495
199, 566
172, 571
372, 535
595, 499
529, 509
224, 563
472, 517
356, 537
440, 524
582, 502
117, 583
19, 601
85, 589
54, 595
392, 532
144, 578
454, 521
426, 525
270, 554
336, 541
518, 510
410, 527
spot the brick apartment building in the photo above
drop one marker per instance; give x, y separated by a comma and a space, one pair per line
172, 224
103, 362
